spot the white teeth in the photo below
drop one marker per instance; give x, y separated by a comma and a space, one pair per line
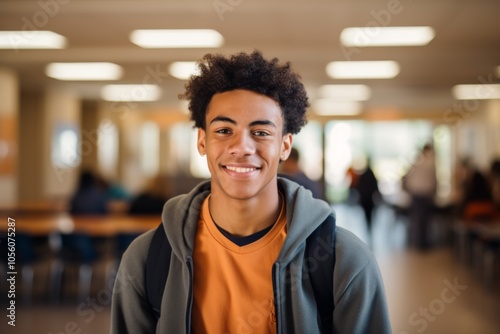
240, 169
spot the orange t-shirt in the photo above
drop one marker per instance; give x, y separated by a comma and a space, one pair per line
233, 289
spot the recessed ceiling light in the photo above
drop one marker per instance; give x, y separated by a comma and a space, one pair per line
386, 36
183, 69
476, 92
330, 107
137, 93
177, 38
84, 71
382, 69
345, 92
38, 39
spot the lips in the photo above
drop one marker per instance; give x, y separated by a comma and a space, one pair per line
241, 170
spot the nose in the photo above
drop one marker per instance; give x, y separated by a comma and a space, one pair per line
242, 145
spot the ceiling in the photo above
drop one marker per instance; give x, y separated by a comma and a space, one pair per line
466, 48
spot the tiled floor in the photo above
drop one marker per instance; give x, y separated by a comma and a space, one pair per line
427, 292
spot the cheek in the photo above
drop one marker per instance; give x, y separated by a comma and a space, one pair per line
274, 154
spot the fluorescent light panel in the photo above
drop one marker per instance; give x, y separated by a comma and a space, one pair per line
386, 36
476, 92
84, 71
345, 92
177, 38
39, 39
183, 69
382, 69
137, 93
330, 107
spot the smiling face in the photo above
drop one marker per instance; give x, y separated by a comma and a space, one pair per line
244, 143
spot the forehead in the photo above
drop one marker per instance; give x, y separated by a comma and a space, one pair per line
243, 105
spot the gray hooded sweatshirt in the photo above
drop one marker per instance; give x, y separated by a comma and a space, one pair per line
358, 292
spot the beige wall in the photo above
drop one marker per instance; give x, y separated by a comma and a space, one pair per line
493, 121
89, 136
9, 111
477, 134
127, 117
31, 153
60, 108
41, 113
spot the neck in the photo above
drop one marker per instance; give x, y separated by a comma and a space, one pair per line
244, 217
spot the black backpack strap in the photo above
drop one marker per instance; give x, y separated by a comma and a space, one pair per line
157, 266
320, 248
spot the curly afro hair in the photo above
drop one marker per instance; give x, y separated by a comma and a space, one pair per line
252, 72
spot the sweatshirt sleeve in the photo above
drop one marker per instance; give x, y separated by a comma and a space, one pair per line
130, 310
359, 298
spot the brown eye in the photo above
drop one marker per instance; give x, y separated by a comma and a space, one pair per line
223, 131
261, 133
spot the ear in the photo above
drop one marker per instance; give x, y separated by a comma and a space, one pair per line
201, 141
286, 146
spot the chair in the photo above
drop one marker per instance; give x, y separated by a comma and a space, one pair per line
72, 250
122, 241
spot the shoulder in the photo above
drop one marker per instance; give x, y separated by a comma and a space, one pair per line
134, 259
350, 248
353, 260
137, 252
359, 296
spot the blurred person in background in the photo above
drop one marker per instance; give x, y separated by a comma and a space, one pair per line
352, 177
463, 174
495, 184
420, 183
291, 170
473, 196
477, 203
368, 193
151, 200
117, 196
90, 197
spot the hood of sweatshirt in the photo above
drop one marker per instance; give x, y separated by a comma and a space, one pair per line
303, 212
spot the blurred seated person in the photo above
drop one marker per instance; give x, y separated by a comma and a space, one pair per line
90, 197
118, 197
462, 176
477, 201
151, 200
495, 184
291, 170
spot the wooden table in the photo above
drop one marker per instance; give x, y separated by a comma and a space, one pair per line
482, 239
97, 226
489, 231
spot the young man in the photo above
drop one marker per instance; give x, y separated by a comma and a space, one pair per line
240, 260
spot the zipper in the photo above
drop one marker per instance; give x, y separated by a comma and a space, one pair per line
189, 263
277, 299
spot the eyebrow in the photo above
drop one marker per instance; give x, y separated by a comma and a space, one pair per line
229, 120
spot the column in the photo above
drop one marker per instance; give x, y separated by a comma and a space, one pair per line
9, 112
49, 152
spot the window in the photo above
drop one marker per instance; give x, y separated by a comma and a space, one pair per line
150, 149
309, 143
107, 149
66, 152
389, 147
